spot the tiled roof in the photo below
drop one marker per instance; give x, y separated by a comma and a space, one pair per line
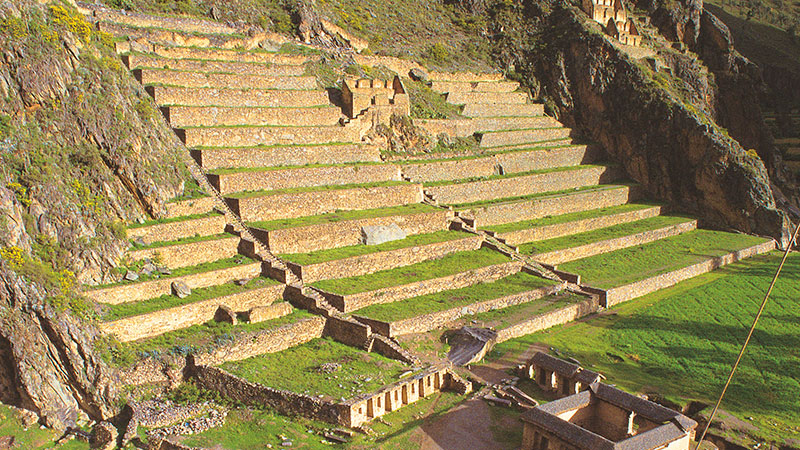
557, 365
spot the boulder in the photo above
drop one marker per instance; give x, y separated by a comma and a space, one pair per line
131, 276
226, 315
417, 74
374, 235
104, 436
180, 289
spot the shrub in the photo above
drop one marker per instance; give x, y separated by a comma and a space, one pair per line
438, 52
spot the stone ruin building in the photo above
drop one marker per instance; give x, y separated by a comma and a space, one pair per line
613, 16
597, 416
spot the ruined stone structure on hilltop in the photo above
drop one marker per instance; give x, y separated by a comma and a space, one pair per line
613, 16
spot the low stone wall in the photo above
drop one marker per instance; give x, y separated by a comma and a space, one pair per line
577, 226
427, 322
299, 204
285, 156
192, 116
450, 170
222, 80
450, 127
304, 177
151, 289
520, 137
609, 245
149, 21
260, 313
342, 234
465, 77
545, 158
488, 124
547, 206
630, 291
518, 186
269, 341
390, 349
353, 302
184, 316
193, 253
473, 86
401, 67
190, 207
347, 331
168, 95
374, 262
544, 321
463, 98
217, 54
139, 61
251, 136
163, 232
502, 110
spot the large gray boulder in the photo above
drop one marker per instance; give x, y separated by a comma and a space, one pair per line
374, 235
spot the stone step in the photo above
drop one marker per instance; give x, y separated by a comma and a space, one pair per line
291, 155
247, 136
491, 98
475, 109
509, 211
183, 254
183, 24
488, 124
140, 61
193, 116
475, 86
144, 290
501, 163
228, 182
559, 228
467, 77
205, 225
519, 186
274, 205
496, 139
221, 54
169, 95
181, 78
616, 243
179, 317
164, 36
375, 258
344, 228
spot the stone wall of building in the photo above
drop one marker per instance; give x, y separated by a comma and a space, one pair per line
151, 289
190, 254
374, 262
163, 232
285, 156
345, 233
550, 319
285, 206
183, 116
608, 245
348, 303
630, 291
178, 317
170, 95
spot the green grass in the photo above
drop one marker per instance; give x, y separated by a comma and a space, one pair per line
441, 301
341, 216
237, 170
360, 371
614, 231
123, 310
32, 438
447, 265
483, 203
186, 240
681, 342
174, 219
503, 318
429, 104
571, 217
298, 190
637, 263
358, 250
511, 175
226, 263
208, 335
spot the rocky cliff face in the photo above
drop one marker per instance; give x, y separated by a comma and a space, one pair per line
83, 150
677, 152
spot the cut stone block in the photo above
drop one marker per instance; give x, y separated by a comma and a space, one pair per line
374, 235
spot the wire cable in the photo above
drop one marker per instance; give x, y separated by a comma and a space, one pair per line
749, 335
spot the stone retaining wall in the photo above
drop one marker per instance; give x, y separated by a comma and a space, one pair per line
427, 322
193, 253
487, 124
465, 77
222, 80
190, 207
151, 289
285, 156
353, 302
621, 294
346, 233
375, 262
475, 86
149, 21
170, 37
300, 204
184, 316
477, 191
139, 61
450, 127
168, 95
609, 245
545, 158
266, 136
550, 319
219, 54
163, 232
183, 116
463, 98
260, 313
577, 226
401, 67
547, 206
304, 177
521, 137
347, 331
503, 110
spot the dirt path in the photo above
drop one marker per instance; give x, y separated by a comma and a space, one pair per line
464, 427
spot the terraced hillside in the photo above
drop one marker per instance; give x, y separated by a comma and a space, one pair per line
529, 230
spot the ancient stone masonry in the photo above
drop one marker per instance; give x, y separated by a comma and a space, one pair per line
613, 16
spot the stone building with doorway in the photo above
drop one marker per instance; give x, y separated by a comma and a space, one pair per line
559, 376
613, 16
